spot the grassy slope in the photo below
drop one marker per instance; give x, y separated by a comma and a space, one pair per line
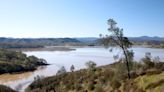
98, 80
151, 83
79, 81
145, 83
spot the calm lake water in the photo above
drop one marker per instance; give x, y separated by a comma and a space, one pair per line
78, 58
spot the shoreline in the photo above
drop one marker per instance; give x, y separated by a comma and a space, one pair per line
71, 48
21, 87
25, 70
47, 48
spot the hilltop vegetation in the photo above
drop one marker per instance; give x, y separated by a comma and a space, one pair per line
12, 61
16, 62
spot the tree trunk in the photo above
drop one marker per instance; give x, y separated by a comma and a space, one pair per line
127, 63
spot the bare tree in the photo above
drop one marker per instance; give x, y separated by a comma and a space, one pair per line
117, 39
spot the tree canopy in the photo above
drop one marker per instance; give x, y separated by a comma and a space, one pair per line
117, 39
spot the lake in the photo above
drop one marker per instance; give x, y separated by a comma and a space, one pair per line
78, 58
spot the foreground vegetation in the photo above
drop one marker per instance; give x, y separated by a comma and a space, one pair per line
146, 76
12, 62
6, 89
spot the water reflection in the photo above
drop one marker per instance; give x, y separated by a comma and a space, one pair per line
19, 80
4, 78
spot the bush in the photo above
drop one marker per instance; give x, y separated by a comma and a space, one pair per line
91, 86
130, 86
77, 87
120, 72
153, 71
147, 61
72, 68
62, 70
6, 89
38, 78
90, 64
115, 84
99, 89
102, 80
133, 74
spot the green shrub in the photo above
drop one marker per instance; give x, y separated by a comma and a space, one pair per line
148, 63
90, 64
115, 84
62, 70
99, 89
91, 86
78, 87
6, 89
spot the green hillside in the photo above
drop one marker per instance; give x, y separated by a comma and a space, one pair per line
12, 61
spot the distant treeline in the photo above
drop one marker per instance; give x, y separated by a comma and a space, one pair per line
19, 45
36, 42
154, 44
157, 42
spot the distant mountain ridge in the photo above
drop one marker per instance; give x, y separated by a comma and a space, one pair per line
141, 38
29, 40
147, 38
87, 39
36, 42
41, 42
76, 39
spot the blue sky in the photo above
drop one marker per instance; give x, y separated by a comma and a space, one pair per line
79, 18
